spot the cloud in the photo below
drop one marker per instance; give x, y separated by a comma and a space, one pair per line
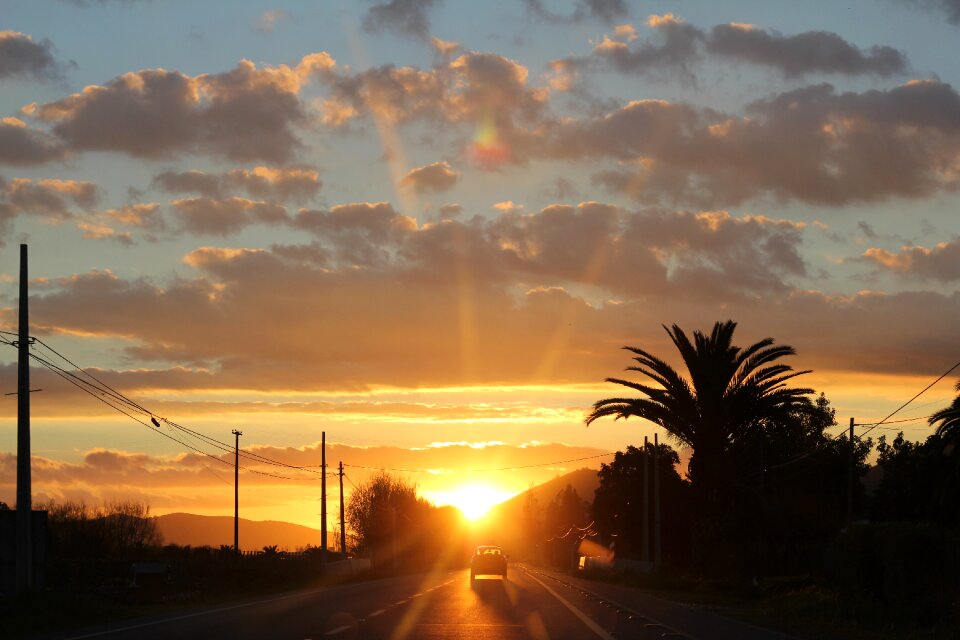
203, 485
674, 53
93, 231
50, 198
812, 145
144, 216
941, 262
245, 114
223, 217
22, 57
607, 11
808, 52
293, 184
371, 274
678, 47
24, 146
402, 17
484, 90
268, 20
949, 8
437, 177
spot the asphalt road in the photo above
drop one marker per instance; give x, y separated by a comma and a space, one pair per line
528, 604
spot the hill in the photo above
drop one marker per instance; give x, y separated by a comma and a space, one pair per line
585, 481
197, 531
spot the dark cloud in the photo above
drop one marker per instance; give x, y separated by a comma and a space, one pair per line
24, 146
808, 52
223, 217
813, 145
677, 47
295, 184
607, 11
402, 17
23, 57
948, 8
437, 177
48, 198
245, 114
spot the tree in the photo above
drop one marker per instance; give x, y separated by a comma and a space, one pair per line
729, 393
618, 503
948, 421
389, 520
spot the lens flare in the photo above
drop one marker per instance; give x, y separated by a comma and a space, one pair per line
488, 148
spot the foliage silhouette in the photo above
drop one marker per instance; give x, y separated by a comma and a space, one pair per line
731, 393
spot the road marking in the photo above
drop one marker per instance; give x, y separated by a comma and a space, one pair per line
397, 604
593, 626
334, 632
379, 612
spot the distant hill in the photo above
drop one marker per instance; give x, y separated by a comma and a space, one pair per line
197, 531
585, 481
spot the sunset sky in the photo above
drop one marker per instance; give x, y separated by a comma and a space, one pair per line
427, 227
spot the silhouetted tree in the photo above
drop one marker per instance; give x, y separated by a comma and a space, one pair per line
398, 527
618, 503
947, 421
730, 393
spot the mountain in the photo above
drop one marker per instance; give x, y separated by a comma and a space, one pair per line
585, 481
503, 524
198, 531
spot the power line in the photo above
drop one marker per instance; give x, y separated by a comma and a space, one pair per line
513, 468
101, 391
924, 390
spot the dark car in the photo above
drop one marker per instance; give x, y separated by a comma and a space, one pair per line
488, 560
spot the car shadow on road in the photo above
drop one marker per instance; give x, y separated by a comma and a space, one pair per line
506, 599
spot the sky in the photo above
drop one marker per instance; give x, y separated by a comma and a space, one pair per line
427, 228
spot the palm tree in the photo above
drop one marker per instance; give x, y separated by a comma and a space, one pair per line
730, 392
948, 418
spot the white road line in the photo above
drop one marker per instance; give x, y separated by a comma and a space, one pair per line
334, 632
593, 626
376, 613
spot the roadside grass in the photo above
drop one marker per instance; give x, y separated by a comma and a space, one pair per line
801, 606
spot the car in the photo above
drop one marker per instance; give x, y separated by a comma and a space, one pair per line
488, 560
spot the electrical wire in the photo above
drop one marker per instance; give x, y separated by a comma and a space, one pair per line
513, 468
920, 393
102, 391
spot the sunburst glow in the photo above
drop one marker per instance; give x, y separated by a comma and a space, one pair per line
473, 500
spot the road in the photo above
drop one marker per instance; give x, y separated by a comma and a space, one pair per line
529, 604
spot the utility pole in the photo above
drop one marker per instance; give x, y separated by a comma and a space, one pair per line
657, 551
343, 523
850, 475
323, 499
646, 501
24, 561
236, 491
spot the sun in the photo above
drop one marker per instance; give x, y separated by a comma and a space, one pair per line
473, 500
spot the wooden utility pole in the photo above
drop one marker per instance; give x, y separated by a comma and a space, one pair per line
323, 498
24, 559
236, 491
343, 523
850, 477
657, 550
646, 501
